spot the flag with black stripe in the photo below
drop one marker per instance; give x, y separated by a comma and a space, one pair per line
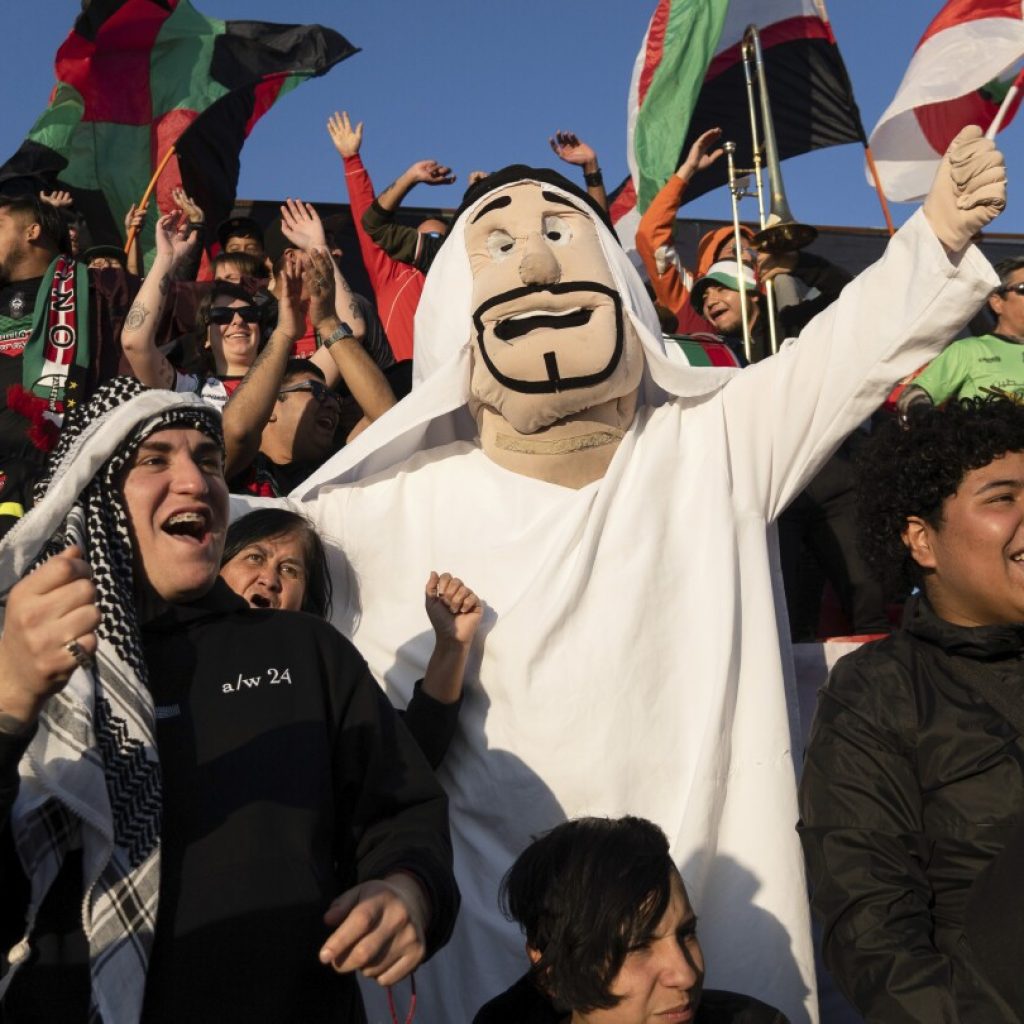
135, 77
811, 97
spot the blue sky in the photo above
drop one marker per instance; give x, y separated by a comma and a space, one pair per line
483, 83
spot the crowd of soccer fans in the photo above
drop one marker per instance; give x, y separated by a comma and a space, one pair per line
912, 798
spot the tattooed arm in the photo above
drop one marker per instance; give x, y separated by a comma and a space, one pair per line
352, 363
138, 336
252, 404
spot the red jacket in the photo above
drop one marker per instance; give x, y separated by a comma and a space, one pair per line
655, 241
397, 286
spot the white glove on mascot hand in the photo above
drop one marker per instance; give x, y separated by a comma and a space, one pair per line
969, 190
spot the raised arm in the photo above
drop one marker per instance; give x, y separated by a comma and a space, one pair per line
301, 225
790, 412
569, 147
347, 141
455, 613
174, 242
398, 241
432, 713
134, 218
655, 235
430, 172
249, 408
369, 387
188, 269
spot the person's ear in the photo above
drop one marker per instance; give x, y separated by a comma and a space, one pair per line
32, 232
917, 536
533, 954
995, 303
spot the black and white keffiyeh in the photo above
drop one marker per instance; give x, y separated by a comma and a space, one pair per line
91, 776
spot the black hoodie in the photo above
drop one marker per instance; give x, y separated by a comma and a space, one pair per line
913, 783
287, 778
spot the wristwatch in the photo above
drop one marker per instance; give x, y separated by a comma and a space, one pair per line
341, 331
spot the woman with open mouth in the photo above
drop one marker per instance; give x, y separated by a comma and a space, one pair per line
275, 559
229, 314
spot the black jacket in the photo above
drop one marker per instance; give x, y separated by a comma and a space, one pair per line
287, 778
524, 1003
912, 784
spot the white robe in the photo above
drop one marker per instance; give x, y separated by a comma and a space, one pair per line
630, 657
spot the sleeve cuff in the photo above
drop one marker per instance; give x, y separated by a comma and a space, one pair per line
432, 723
12, 749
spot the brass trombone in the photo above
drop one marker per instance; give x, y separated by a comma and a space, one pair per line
780, 231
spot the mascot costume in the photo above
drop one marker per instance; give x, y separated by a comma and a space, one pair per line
615, 509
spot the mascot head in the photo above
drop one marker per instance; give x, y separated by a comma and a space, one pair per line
550, 338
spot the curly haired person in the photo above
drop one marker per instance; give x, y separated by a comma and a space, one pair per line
914, 774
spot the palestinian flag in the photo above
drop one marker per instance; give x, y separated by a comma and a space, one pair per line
811, 97
135, 77
960, 73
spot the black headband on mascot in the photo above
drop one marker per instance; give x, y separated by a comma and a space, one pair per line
515, 173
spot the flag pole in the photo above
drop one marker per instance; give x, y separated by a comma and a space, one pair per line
132, 231
1011, 95
823, 14
878, 188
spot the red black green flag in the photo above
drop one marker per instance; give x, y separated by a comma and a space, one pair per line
137, 76
668, 110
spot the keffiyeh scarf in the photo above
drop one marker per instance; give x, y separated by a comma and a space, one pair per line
91, 776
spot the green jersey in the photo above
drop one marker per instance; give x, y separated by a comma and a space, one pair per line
971, 364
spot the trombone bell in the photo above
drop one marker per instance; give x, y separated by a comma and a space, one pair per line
781, 236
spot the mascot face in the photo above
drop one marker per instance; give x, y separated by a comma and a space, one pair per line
550, 336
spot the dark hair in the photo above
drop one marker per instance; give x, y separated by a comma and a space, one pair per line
220, 288
295, 366
239, 227
52, 225
266, 523
244, 262
912, 471
1006, 268
586, 893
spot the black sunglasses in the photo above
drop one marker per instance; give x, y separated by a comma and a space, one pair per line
225, 314
321, 392
1018, 288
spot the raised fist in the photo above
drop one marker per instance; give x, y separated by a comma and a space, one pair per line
969, 190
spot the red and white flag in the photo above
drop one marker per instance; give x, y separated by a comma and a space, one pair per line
959, 74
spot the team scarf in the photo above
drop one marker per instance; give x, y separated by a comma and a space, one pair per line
56, 355
90, 778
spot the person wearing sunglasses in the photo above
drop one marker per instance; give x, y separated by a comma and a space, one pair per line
231, 319
985, 365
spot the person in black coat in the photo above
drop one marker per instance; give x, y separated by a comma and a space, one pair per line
610, 934
913, 780
208, 811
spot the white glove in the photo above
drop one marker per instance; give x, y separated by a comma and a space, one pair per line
969, 190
